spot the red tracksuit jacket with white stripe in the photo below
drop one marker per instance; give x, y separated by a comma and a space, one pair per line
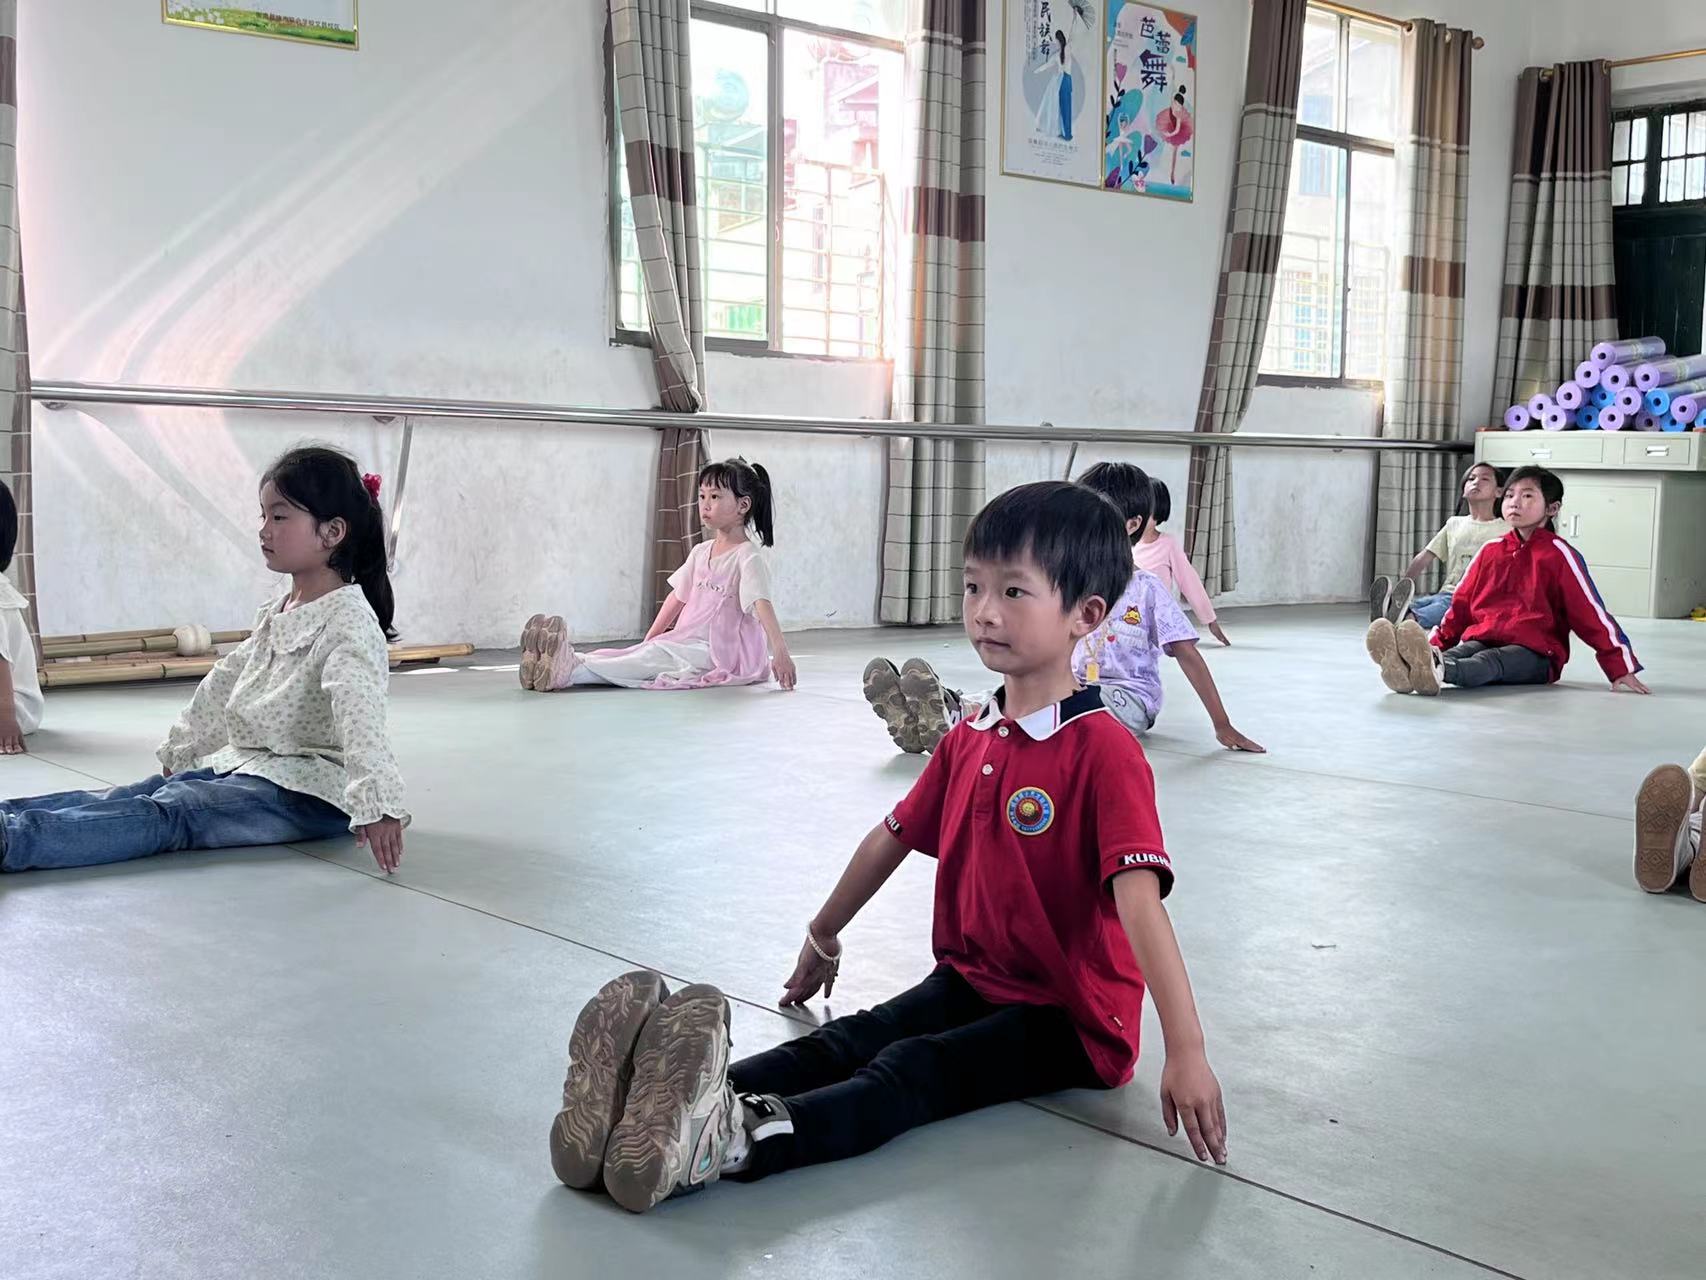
1534, 594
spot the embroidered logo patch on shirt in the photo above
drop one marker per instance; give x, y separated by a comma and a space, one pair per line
1133, 617
1030, 812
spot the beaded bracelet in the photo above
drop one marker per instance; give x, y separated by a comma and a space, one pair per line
834, 961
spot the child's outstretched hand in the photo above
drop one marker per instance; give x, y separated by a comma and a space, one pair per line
1630, 682
1189, 1092
12, 739
1215, 631
385, 839
812, 971
1232, 740
783, 669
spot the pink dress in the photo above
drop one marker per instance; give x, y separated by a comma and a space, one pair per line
1167, 560
716, 640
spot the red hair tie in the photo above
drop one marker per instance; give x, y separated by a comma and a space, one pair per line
371, 484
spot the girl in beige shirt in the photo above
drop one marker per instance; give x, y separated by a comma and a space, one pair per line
285, 738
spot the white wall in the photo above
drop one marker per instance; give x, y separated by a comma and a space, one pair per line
1572, 29
428, 216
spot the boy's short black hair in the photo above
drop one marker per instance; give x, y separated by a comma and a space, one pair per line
8, 526
1076, 536
1127, 487
1163, 509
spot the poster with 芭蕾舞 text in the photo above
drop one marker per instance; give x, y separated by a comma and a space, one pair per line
1149, 128
1051, 119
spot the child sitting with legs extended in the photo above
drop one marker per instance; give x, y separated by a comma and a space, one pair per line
1123, 654
714, 627
20, 683
1667, 828
285, 738
1510, 618
1454, 547
1049, 924
1161, 554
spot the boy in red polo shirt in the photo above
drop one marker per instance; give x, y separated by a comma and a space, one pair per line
1048, 922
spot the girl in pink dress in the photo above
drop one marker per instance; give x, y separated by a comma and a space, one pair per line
1161, 554
717, 627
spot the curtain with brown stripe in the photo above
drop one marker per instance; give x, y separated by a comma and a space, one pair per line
1249, 256
14, 332
936, 486
652, 62
1416, 492
1560, 293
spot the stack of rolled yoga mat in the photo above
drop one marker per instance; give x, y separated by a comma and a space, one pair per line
1630, 384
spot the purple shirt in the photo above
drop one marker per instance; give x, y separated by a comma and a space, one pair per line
1127, 647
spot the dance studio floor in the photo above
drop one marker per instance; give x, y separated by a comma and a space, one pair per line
1455, 1039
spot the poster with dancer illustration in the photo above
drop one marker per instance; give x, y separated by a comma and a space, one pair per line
1149, 128
1051, 112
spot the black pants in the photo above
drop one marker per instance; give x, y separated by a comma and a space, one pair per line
1472, 663
935, 1051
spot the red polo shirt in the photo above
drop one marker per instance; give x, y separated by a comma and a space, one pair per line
1029, 822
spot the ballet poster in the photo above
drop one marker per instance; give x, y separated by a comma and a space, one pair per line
1149, 132
1051, 105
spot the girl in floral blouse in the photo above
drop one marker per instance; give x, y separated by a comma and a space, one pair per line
285, 738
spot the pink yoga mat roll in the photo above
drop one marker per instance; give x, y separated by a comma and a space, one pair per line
1662, 373
1518, 418
1630, 401
1636, 349
1539, 403
1570, 395
1686, 409
1556, 419
1647, 422
1587, 374
1613, 419
1617, 376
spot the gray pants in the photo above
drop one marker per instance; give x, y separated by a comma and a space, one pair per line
1472, 663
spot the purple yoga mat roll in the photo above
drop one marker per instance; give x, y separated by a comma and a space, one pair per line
1647, 422
1662, 373
1587, 374
1617, 376
1518, 418
1539, 403
1570, 396
1629, 401
1613, 419
1637, 349
1686, 409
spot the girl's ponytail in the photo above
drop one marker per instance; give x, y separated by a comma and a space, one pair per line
327, 485
762, 515
750, 481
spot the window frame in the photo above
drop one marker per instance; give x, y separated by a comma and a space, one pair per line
774, 27
1653, 164
1352, 144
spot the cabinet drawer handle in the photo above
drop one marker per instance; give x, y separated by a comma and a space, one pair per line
1540, 453
1658, 451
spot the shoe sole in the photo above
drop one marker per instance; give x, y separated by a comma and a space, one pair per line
1661, 811
927, 699
531, 635
682, 1055
538, 666
601, 1067
1417, 655
881, 683
1398, 604
1382, 645
1379, 593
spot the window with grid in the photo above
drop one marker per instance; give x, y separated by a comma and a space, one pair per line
1328, 318
797, 125
1658, 156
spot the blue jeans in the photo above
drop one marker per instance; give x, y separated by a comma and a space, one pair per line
198, 810
1430, 611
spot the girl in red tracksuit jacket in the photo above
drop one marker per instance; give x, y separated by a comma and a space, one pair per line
1511, 617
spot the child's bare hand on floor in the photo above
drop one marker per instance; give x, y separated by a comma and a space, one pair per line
1189, 1092
783, 669
385, 839
1231, 739
1215, 631
1630, 682
812, 971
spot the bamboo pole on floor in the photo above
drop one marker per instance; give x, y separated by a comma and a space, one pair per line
60, 675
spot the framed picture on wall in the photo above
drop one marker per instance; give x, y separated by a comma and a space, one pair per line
333, 23
1101, 94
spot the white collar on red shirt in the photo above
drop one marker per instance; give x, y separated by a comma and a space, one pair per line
1043, 723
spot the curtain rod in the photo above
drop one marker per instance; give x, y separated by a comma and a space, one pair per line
1657, 57
1379, 19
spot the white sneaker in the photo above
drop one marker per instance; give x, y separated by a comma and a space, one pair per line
681, 1111
1665, 837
